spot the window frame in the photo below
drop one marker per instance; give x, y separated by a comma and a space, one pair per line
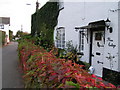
60, 34
81, 40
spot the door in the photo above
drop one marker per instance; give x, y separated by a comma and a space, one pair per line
97, 52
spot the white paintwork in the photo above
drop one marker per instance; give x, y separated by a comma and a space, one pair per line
119, 37
98, 58
81, 14
6, 29
91, 70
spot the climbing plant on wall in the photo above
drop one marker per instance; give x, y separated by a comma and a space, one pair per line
43, 22
2, 37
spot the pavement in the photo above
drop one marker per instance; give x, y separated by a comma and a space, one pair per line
11, 75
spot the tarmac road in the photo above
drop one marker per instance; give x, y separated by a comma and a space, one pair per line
11, 76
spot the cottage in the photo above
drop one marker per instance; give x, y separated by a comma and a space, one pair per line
95, 28
4, 26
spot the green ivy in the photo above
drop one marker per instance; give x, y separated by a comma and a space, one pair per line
70, 83
2, 37
43, 23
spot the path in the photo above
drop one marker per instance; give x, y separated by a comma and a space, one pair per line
11, 76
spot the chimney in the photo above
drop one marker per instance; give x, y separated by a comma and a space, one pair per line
37, 5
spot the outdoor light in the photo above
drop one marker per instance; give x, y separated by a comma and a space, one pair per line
107, 23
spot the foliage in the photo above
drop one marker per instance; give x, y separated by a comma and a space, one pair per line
43, 70
87, 65
72, 54
43, 23
69, 53
2, 37
61, 53
70, 46
20, 34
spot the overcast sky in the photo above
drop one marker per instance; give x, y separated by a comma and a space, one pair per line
19, 13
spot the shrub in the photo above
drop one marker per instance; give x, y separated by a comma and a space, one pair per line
44, 70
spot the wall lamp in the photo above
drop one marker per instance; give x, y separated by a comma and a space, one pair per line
108, 22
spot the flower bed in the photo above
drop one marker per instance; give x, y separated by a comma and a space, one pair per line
43, 70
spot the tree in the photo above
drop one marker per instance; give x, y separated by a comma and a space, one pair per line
20, 34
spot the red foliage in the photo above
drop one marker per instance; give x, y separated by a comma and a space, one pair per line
52, 72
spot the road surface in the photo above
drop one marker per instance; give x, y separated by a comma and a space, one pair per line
11, 76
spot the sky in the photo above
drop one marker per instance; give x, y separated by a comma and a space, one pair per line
19, 13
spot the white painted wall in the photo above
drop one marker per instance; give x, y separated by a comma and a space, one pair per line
113, 63
68, 18
119, 36
81, 14
6, 29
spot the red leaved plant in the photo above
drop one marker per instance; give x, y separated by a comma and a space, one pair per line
43, 70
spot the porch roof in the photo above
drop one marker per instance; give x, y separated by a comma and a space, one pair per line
97, 24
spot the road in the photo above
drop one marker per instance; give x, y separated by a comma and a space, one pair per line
11, 75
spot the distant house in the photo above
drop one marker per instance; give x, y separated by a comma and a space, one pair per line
95, 28
4, 26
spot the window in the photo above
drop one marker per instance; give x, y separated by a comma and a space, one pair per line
98, 36
60, 37
81, 41
1, 26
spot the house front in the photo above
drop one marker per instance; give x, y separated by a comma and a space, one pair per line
4, 26
94, 27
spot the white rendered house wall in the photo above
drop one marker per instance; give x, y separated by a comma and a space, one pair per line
81, 14
6, 29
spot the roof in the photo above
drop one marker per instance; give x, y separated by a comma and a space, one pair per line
96, 24
5, 20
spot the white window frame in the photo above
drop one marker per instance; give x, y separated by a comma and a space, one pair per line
60, 37
81, 40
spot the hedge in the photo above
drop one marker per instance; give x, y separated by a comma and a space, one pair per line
43, 70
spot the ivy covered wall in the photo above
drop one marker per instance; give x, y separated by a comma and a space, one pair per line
43, 23
2, 37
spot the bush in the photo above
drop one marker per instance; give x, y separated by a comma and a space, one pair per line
43, 70
87, 65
